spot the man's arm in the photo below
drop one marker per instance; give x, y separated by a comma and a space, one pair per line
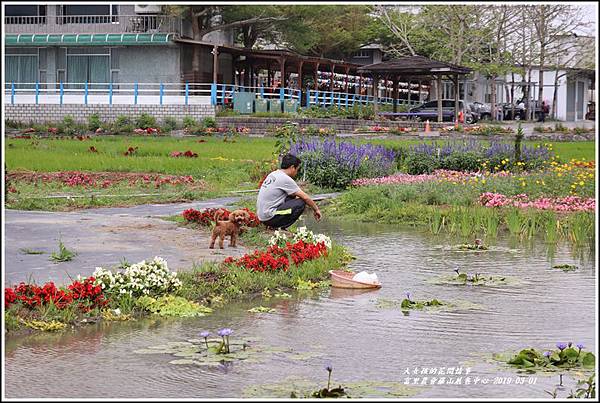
310, 203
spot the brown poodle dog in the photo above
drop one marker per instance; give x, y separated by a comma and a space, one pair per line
231, 227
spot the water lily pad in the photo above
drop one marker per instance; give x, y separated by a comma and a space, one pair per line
262, 309
566, 267
432, 305
248, 350
304, 388
470, 280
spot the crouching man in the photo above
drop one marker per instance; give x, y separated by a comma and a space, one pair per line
280, 200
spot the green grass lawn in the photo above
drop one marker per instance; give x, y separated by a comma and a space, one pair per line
224, 166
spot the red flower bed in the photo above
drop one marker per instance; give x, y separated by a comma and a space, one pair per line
276, 258
188, 154
102, 179
211, 215
85, 293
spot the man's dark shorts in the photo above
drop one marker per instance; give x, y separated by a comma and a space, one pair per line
287, 214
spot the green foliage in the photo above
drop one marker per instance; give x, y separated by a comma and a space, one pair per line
189, 121
565, 267
169, 124
209, 122
145, 121
586, 388
170, 305
51, 326
63, 255
518, 140
94, 122
285, 136
568, 358
261, 309
123, 124
407, 304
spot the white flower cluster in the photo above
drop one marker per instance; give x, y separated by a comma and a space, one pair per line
302, 233
143, 278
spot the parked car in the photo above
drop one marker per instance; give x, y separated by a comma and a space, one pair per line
507, 108
429, 110
483, 111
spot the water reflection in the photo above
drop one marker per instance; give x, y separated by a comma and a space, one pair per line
345, 326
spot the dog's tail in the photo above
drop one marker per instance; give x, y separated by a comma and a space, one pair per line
219, 215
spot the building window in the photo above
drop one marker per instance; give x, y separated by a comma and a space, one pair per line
87, 14
88, 65
22, 67
25, 14
362, 54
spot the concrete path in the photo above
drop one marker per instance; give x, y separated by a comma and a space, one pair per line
104, 237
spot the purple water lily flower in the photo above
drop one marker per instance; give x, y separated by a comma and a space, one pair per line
407, 296
561, 346
204, 334
225, 332
580, 346
329, 366
547, 353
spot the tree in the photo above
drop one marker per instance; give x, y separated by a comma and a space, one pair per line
551, 22
327, 31
207, 19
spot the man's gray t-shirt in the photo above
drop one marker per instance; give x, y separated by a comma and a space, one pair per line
275, 188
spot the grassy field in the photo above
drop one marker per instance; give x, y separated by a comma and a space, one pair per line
222, 166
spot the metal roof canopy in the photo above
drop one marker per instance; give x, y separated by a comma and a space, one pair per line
414, 66
275, 55
87, 39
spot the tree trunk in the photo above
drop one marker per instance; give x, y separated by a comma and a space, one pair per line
529, 110
512, 96
555, 95
494, 111
541, 77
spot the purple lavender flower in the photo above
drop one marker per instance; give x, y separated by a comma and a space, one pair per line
547, 353
561, 346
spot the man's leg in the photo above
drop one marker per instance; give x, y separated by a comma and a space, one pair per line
287, 213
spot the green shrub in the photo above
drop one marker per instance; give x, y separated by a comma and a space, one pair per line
123, 124
94, 122
189, 121
209, 122
13, 124
145, 121
169, 124
67, 126
227, 112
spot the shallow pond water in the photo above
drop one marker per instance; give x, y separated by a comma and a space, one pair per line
365, 341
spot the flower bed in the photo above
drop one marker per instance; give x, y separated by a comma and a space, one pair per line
85, 293
209, 216
564, 204
278, 259
471, 156
143, 278
437, 175
102, 179
187, 154
334, 164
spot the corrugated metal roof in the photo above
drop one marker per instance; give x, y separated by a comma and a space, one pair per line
87, 39
414, 65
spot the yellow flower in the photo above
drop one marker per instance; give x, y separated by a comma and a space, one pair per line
559, 174
582, 183
573, 186
483, 181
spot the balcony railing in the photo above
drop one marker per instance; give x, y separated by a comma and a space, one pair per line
93, 24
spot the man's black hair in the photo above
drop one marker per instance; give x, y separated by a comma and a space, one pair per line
289, 160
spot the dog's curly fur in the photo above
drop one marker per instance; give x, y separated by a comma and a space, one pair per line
230, 227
